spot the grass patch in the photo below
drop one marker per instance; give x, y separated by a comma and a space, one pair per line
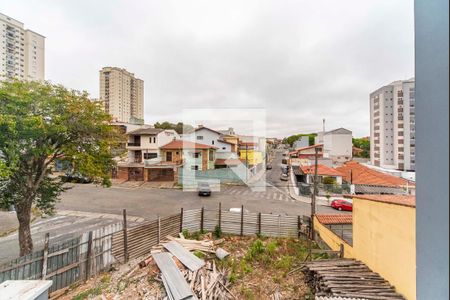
86, 294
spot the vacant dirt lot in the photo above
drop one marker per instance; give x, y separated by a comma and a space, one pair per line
257, 268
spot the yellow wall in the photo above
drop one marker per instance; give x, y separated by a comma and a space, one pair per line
384, 239
254, 157
332, 240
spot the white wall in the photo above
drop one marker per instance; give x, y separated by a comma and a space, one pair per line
208, 137
338, 145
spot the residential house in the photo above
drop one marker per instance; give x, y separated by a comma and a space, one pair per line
305, 174
225, 150
338, 145
143, 144
370, 181
308, 152
382, 236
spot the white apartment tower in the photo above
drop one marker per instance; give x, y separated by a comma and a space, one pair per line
122, 94
392, 126
21, 51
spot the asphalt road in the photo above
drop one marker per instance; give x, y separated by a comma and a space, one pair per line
98, 206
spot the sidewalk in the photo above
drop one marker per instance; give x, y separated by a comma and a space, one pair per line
293, 193
8, 222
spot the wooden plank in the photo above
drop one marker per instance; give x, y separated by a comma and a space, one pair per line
188, 259
44, 261
176, 283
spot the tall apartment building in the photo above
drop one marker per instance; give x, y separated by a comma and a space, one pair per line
122, 94
392, 126
21, 51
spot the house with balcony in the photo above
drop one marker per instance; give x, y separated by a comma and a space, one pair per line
143, 144
226, 150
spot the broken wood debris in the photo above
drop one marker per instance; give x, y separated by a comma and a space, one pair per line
347, 278
203, 279
188, 259
176, 287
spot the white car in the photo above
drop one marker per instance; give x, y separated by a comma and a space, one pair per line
284, 177
238, 210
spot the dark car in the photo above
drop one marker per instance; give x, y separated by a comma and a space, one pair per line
342, 204
204, 189
75, 178
268, 167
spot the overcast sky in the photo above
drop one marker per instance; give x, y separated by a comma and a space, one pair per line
300, 60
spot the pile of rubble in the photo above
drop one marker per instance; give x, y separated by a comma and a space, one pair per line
186, 276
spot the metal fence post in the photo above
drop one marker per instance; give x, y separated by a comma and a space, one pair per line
202, 217
299, 226
159, 229
220, 215
88, 256
341, 251
125, 237
242, 220
259, 223
181, 220
44, 261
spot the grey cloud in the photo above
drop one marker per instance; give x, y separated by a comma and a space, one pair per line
300, 60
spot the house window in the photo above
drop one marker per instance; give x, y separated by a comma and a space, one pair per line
169, 156
150, 155
196, 154
212, 142
199, 137
211, 155
194, 167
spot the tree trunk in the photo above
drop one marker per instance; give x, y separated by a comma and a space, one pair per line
24, 216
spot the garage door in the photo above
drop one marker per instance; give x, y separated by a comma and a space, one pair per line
161, 175
136, 174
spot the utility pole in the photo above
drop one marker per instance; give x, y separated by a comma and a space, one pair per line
246, 162
313, 197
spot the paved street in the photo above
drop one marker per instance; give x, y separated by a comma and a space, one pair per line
86, 206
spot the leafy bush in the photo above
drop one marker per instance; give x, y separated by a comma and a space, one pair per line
218, 231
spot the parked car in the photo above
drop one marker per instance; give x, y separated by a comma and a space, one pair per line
268, 167
284, 161
342, 204
204, 189
284, 177
285, 169
75, 178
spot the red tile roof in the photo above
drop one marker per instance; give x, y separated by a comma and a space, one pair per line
365, 175
335, 219
309, 147
180, 144
321, 170
404, 200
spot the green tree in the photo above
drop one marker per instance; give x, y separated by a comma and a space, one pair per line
42, 122
293, 138
179, 127
364, 144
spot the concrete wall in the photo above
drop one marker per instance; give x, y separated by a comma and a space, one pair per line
332, 240
384, 239
432, 106
338, 146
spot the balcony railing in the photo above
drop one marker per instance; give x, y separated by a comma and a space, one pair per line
133, 144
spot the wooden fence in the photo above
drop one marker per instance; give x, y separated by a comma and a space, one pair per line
67, 262
93, 252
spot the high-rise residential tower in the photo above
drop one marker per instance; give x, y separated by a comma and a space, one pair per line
122, 94
392, 126
22, 51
